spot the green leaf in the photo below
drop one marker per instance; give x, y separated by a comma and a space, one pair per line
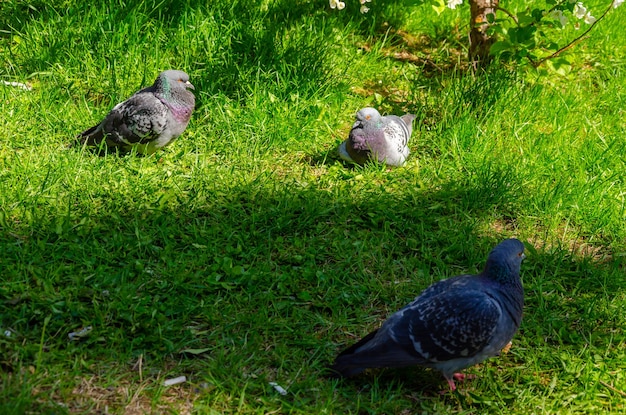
439, 6
552, 46
522, 34
537, 14
559, 65
496, 29
500, 47
524, 19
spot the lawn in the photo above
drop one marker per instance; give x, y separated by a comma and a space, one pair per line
247, 253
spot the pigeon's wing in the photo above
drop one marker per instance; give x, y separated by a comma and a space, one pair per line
453, 283
454, 324
396, 138
139, 119
397, 133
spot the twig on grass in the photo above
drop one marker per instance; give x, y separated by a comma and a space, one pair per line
619, 392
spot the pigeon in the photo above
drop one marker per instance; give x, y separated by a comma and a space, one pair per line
377, 138
453, 324
149, 120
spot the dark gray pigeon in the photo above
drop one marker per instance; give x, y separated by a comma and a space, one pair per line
378, 138
150, 119
453, 324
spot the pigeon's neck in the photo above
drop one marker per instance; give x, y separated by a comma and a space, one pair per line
180, 110
163, 87
181, 103
502, 273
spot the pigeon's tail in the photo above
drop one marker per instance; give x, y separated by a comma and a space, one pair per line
345, 364
356, 346
342, 367
408, 118
91, 137
375, 350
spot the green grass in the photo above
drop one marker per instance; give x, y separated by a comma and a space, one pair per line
247, 253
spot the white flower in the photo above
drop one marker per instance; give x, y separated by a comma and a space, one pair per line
367, 1
581, 12
337, 4
617, 3
558, 15
364, 9
453, 3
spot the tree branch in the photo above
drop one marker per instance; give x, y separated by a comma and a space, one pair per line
508, 13
573, 42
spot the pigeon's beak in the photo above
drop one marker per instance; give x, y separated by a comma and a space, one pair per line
189, 85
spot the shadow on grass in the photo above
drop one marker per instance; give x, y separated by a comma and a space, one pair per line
254, 238
274, 273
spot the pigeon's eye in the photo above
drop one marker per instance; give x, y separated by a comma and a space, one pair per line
520, 254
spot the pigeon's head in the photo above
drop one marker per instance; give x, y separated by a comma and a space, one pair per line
504, 261
174, 79
368, 114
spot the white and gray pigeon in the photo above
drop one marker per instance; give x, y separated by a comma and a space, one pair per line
377, 138
453, 324
149, 120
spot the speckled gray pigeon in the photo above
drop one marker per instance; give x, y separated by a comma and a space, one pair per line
374, 137
150, 119
453, 324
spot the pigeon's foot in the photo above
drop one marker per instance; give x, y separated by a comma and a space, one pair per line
457, 376
461, 377
451, 384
